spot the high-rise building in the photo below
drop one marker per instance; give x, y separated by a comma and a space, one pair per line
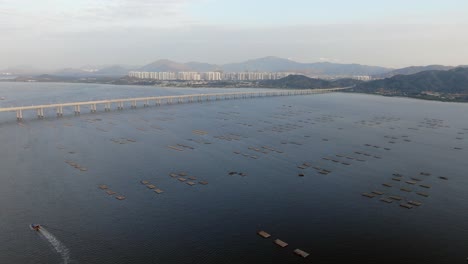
209, 76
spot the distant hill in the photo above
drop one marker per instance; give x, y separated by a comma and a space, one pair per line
270, 64
346, 82
68, 72
165, 66
296, 82
21, 70
454, 81
267, 64
89, 71
115, 70
317, 68
414, 70
44, 78
304, 82
202, 67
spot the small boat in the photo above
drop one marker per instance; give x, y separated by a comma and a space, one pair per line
35, 227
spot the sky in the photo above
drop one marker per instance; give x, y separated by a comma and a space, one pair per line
53, 34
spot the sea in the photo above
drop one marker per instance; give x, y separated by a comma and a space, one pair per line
346, 178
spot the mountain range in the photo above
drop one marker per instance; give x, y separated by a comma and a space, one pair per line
266, 64
87, 71
270, 64
449, 84
414, 69
304, 82
454, 81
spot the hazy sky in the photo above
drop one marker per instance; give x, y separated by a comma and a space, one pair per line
73, 33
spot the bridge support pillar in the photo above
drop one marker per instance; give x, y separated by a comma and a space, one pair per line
40, 113
134, 105
59, 111
77, 109
19, 115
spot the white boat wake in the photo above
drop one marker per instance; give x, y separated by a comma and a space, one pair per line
57, 245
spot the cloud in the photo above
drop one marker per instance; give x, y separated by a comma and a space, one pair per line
140, 8
385, 45
127, 11
329, 60
86, 15
75, 33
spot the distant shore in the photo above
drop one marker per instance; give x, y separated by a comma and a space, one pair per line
124, 80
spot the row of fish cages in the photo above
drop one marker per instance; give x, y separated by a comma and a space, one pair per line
152, 187
283, 244
200, 132
377, 121
306, 165
362, 153
122, 141
111, 193
433, 123
402, 186
390, 198
201, 142
76, 165
262, 150
265, 149
395, 139
244, 124
340, 159
247, 155
337, 161
229, 137
190, 180
280, 128
284, 142
233, 173
180, 147
376, 146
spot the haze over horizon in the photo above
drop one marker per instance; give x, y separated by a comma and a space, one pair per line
136, 32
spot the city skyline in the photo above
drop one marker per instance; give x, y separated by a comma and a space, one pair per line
56, 34
210, 75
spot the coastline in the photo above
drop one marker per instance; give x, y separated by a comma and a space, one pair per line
208, 85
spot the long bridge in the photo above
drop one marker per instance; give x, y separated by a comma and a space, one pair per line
157, 100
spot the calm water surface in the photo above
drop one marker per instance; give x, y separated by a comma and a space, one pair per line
325, 215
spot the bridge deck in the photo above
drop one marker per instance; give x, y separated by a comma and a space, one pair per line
168, 99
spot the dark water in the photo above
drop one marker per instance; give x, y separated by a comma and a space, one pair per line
325, 215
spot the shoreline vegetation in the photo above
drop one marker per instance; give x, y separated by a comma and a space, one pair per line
445, 86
